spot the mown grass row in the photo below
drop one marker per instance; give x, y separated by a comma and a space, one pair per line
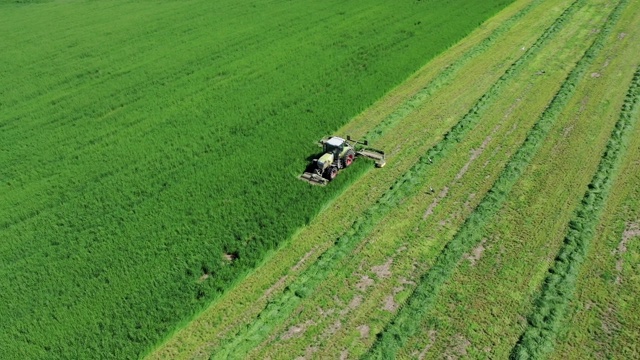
552, 304
407, 321
446, 75
278, 309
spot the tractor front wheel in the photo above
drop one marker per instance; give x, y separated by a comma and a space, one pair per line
332, 172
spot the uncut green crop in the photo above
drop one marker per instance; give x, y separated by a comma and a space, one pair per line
141, 141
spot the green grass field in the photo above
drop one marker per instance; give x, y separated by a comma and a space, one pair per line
150, 207
142, 141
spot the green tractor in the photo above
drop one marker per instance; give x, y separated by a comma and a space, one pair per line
338, 154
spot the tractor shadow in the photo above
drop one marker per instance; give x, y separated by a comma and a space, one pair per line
311, 165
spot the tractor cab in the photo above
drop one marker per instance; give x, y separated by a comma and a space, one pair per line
334, 145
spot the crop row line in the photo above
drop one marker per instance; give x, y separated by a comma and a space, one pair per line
553, 302
278, 310
445, 76
408, 319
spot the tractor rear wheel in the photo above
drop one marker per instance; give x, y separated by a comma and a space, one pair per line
348, 160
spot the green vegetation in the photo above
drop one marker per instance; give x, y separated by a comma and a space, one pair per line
150, 206
136, 154
551, 306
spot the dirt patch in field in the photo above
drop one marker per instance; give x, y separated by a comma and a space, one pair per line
364, 331
383, 271
404, 281
432, 339
353, 304
622, 35
567, 130
344, 355
337, 325
475, 153
610, 323
274, 287
364, 283
297, 330
467, 203
301, 262
589, 304
631, 231
595, 75
325, 313
308, 353
390, 304
458, 347
435, 202
476, 253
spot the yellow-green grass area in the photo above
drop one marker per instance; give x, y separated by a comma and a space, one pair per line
604, 322
482, 310
238, 307
343, 317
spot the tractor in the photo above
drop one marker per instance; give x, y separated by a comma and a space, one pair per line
339, 153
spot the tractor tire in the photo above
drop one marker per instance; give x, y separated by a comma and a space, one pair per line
349, 158
332, 172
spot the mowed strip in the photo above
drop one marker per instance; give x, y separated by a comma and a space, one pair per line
335, 301
274, 275
405, 324
482, 309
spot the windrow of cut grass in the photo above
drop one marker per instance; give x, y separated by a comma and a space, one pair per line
551, 305
278, 310
406, 323
482, 308
136, 154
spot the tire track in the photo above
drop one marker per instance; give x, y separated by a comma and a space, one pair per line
407, 321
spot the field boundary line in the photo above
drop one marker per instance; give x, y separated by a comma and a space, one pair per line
403, 187
407, 320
